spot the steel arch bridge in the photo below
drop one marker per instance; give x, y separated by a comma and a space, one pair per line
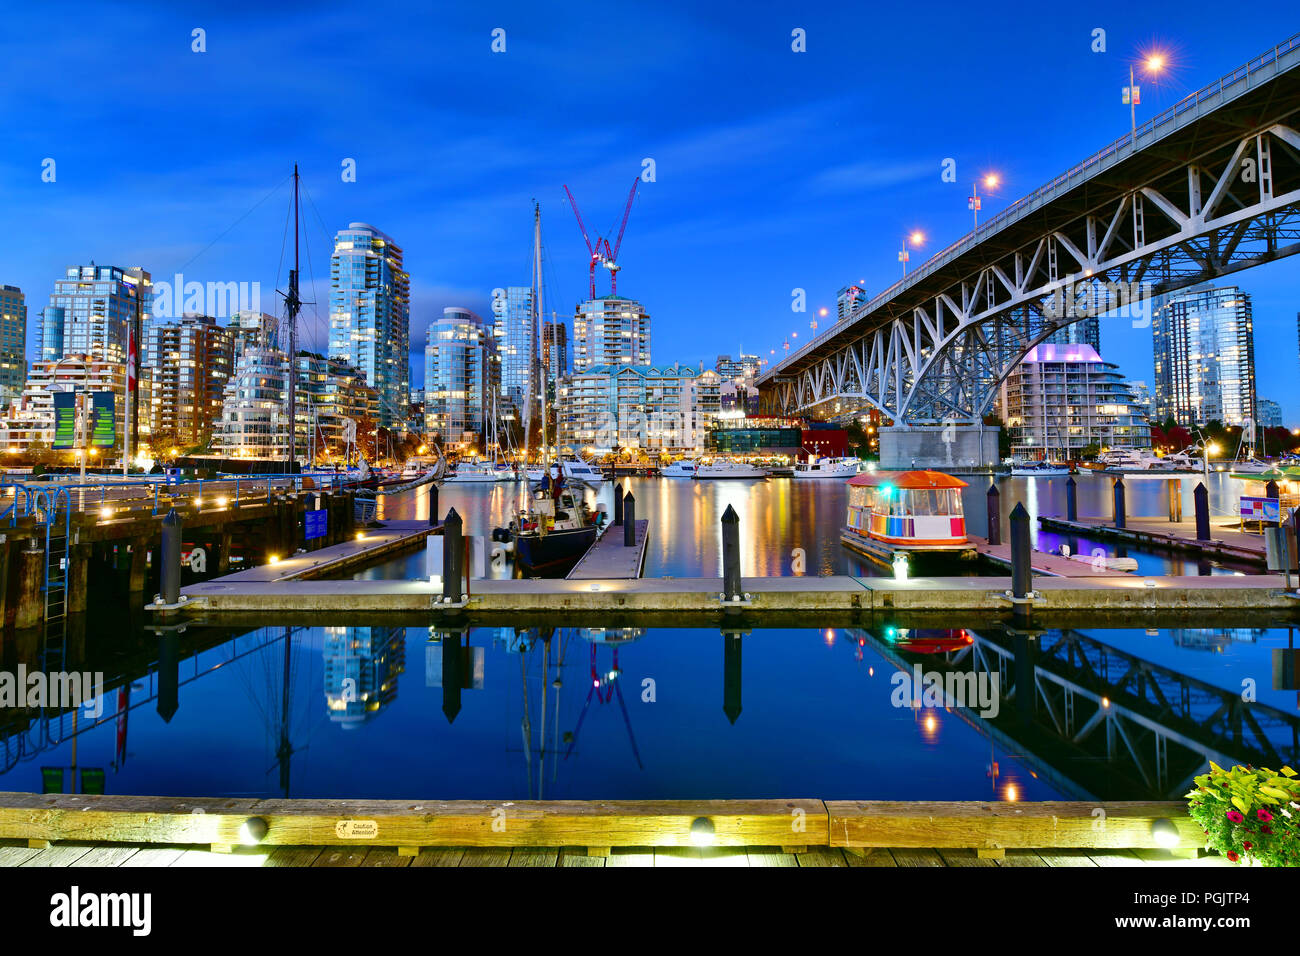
1209, 187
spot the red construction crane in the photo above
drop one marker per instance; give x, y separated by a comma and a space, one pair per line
600, 250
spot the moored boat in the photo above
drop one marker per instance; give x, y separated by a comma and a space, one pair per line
823, 469
679, 469
728, 469
1039, 469
553, 533
911, 513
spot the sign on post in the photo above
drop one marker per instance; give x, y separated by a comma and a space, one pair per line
315, 523
1259, 509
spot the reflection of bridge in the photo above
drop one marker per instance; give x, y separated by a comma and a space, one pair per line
1109, 723
1208, 187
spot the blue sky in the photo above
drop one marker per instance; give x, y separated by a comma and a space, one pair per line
774, 169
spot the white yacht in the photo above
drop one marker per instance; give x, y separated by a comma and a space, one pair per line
574, 469
827, 468
1134, 459
481, 471
1039, 469
679, 469
716, 470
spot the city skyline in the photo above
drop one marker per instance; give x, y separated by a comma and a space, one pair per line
737, 200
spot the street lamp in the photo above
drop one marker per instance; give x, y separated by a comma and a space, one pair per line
1132, 94
915, 238
991, 181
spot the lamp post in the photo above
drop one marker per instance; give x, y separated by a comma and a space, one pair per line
1153, 64
915, 238
991, 182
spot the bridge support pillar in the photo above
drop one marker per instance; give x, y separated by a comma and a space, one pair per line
938, 446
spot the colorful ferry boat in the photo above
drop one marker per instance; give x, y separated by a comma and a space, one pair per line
914, 513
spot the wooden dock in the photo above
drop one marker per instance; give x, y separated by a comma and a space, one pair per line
159, 830
609, 558
1052, 565
1227, 539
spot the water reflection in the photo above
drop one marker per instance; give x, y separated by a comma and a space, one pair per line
631, 712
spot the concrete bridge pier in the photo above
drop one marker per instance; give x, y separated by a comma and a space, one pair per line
938, 446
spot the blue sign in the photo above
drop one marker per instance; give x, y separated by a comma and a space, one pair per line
315, 523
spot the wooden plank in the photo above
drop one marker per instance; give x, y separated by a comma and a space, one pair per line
107, 856
1115, 858
154, 820
154, 856
386, 856
57, 856
1066, 857
965, 858
439, 856
871, 856
1022, 858
916, 856
340, 856
486, 856
988, 826
609, 559
535, 857
206, 858
822, 856
293, 855
770, 856
630, 856
571, 857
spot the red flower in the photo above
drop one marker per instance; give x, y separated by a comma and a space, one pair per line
1235, 817
1246, 846
1268, 830
1264, 815
1232, 855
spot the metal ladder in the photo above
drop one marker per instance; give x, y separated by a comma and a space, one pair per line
55, 514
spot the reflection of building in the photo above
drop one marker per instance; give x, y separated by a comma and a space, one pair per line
370, 320
610, 331
1215, 638
1204, 350
362, 665
655, 409
13, 343
458, 377
191, 362
1062, 398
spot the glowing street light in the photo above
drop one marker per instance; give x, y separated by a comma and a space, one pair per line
991, 182
915, 238
1152, 64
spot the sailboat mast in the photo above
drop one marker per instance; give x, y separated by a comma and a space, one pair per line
537, 337
292, 305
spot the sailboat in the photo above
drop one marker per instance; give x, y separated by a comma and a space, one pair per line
555, 528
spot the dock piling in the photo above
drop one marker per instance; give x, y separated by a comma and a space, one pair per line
995, 514
1022, 581
433, 505
731, 554
629, 521
1201, 497
1118, 499
618, 504
453, 557
170, 559
31, 575
1071, 499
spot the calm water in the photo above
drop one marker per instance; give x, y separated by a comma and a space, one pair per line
781, 514
654, 713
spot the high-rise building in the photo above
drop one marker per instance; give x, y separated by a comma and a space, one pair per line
192, 360
31, 415
1084, 332
739, 396
92, 311
1142, 398
1062, 398
514, 325
1268, 413
370, 320
651, 409
1204, 349
848, 299
555, 350
250, 330
610, 331
13, 343
459, 377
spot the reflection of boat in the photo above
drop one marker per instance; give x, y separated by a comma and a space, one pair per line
553, 533
827, 468
926, 640
718, 470
481, 471
906, 513
1039, 469
678, 469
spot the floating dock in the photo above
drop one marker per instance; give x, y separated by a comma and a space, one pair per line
1051, 565
1227, 541
609, 558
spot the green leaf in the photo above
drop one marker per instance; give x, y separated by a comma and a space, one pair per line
1240, 804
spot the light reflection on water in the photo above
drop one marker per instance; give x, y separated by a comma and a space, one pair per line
781, 514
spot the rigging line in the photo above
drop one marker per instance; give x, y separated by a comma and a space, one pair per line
246, 214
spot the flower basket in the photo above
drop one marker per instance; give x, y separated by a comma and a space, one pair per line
1250, 815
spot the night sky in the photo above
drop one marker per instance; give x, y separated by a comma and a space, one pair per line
774, 170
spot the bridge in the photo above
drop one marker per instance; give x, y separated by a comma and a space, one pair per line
1209, 187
